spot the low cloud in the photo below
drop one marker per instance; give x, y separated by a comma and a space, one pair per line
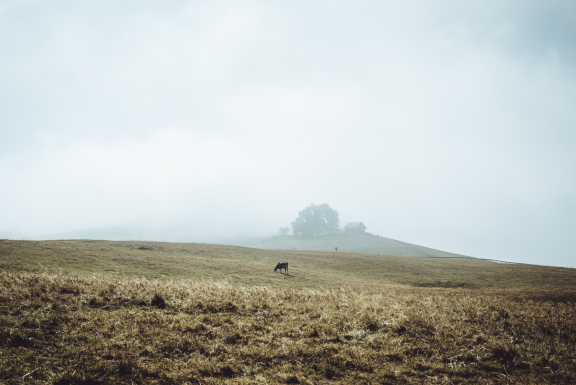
447, 125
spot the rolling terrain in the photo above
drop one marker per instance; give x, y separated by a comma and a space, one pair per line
250, 266
98, 312
352, 243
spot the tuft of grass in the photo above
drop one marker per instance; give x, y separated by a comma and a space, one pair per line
158, 301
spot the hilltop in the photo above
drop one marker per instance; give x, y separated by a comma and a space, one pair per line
351, 243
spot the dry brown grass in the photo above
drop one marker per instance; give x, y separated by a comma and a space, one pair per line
248, 267
70, 327
66, 328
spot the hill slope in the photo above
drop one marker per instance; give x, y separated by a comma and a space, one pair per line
335, 318
247, 266
351, 243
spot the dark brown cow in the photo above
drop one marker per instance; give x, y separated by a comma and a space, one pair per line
282, 265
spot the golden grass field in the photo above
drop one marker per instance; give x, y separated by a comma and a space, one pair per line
97, 312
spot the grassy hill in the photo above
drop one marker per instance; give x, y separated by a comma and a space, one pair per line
98, 312
352, 243
249, 266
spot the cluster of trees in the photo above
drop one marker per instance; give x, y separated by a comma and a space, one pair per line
314, 220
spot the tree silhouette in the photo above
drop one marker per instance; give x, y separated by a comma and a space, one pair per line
284, 231
314, 220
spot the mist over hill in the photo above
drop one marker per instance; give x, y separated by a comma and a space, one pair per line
448, 124
352, 243
345, 242
126, 233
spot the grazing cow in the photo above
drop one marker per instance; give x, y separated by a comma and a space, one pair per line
282, 265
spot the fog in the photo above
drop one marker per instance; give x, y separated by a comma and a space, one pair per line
446, 124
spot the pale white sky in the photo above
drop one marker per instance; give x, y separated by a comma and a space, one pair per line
447, 124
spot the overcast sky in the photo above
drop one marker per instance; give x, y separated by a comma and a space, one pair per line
449, 124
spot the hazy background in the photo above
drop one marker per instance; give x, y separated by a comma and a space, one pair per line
447, 124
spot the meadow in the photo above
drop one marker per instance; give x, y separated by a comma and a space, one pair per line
96, 312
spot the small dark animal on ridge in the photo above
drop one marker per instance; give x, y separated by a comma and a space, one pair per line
282, 265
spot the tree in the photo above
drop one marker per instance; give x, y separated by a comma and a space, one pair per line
284, 231
314, 220
330, 218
